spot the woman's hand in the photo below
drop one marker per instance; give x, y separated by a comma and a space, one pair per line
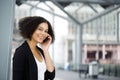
45, 45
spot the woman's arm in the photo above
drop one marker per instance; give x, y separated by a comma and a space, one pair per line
45, 47
50, 72
18, 65
48, 60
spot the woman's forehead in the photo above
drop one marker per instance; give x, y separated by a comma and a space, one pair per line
43, 25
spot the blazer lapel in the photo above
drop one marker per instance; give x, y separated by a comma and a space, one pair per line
41, 51
32, 63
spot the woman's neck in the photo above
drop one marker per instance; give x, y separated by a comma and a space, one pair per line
32, 44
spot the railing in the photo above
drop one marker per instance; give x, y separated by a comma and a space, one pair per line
111, 70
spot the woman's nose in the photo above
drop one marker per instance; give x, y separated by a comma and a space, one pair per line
42, 32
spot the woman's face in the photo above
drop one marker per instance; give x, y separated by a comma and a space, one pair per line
40, 33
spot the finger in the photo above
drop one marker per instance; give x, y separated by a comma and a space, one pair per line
49, 36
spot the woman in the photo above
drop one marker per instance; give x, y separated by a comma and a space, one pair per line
32, 60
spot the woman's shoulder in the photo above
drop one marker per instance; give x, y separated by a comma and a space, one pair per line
20, 54
22, 48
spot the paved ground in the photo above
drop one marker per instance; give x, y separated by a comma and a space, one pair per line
66, 75
70, 75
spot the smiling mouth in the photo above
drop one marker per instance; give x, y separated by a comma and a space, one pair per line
41, 38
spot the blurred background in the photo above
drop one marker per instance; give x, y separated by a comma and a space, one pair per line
87, 36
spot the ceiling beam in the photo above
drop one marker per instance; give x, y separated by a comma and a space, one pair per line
106, 2
47, 11
92, 8
101, 14
70, 16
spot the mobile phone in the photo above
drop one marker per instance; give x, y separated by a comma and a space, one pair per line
45, 39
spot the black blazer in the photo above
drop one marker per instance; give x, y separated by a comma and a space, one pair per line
24, 65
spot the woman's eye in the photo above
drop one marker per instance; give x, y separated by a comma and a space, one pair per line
46, 31
39, 29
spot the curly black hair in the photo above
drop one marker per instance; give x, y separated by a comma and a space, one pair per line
27, 26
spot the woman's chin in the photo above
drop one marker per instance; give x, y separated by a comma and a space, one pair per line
40, 41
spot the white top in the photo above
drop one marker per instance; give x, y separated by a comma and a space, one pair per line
41, 68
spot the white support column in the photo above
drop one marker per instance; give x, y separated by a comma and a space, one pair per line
6, 31
104, 52
118, 52
74, 54
85, 54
